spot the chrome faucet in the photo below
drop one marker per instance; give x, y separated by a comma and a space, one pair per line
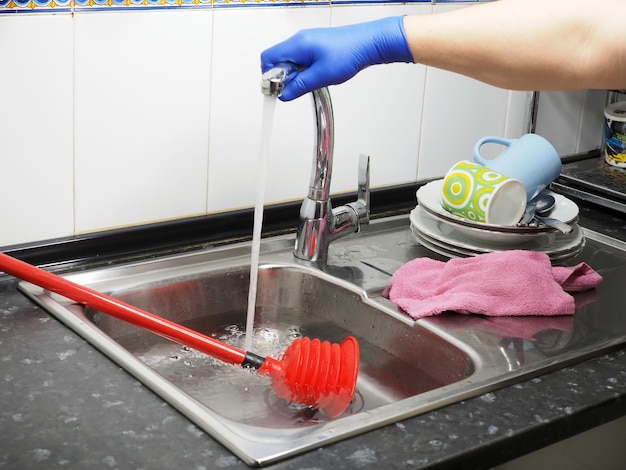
320, 224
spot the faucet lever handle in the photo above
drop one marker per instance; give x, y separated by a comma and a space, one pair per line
364, 180
362, 204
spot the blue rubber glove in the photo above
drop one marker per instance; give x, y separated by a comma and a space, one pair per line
329, 56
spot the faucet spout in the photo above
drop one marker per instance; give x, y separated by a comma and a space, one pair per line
319, 186
319, 223
273, 81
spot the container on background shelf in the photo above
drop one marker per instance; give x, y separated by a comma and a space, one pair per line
615, 134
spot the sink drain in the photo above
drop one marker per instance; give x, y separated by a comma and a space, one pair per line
306, 414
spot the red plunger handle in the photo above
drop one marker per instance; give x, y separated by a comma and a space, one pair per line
122, 310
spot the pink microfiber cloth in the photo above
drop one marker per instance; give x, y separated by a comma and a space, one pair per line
515, 282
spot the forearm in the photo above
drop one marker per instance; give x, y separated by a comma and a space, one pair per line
525, 44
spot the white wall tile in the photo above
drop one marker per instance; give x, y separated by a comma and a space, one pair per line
236, 109
559, 118
457, 112
573, 121
36, 131
591, 132
142, 127
518, 114
378, 112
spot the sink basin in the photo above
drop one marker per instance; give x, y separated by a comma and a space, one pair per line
292, 302
407, 367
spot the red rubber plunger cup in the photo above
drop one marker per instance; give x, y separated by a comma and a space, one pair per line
316, 373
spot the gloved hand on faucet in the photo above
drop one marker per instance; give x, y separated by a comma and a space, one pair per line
529, 45
323, 63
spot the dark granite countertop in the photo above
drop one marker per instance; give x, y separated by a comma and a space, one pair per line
65, 405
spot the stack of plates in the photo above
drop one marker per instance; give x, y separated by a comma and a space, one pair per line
453, 236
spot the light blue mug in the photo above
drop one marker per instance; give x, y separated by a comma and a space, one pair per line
530, 159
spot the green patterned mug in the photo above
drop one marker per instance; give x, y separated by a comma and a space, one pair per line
479, 194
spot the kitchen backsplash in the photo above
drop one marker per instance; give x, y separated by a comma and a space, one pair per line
126, 112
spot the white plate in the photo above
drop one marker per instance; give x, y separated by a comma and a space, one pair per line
429, 197
442, 235
459, 253
456, 252
496, 237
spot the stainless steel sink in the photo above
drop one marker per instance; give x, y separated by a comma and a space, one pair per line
407, 367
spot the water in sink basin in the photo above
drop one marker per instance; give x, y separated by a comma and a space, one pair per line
235, 393
291, 303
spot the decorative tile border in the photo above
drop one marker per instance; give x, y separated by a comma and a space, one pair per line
59, 6
14, 6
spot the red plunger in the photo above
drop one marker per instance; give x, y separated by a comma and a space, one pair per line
310, 372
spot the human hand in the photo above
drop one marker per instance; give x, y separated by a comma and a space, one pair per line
329, 56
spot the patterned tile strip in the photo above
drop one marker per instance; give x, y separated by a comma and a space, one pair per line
58, 6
